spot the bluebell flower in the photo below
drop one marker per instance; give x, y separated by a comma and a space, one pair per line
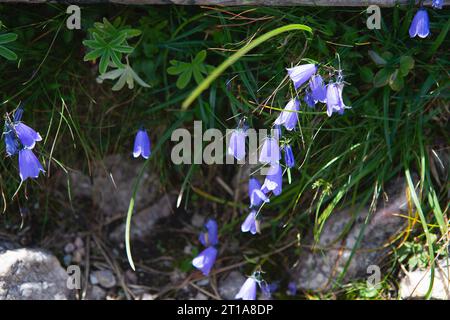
277, 132
236, 148
289, 116
292, 288
318, 89
309, 100
300, 74
250, 223
288, 156
11, 141
273, 181
27, 136
248, 290
29, 165
270, 151
205, 260
437, 4
255, 194
334, 99
142, 145
420, 26
210, 237
18, 113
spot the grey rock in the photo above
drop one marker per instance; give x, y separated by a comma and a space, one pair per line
143, 221
321, 263
96, 293
230, 285
31, 274
113, 181
104, 278
416, 283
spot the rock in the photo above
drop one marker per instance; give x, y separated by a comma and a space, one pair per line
95, 293
320, 266
197, 220
230, 285
415, 284
104, 278
113, 181
143, 221
200, 296
31, 274
148, 296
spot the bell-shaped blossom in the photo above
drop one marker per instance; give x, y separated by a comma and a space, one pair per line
250, 223
210, 237
276, 132
309, 100
289, 116
420, 26
318, 89
270, 151
29, 165
300, 74
205, 260
255, 194
236, 147
27, 136
248, 290
292, 288
334, 99
288, 156
273, 181
11, 142
142, 145
437, 4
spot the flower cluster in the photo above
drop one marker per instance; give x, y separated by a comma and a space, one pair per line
420, 25
205, 260
21, 139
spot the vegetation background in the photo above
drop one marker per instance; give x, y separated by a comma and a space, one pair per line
398, 89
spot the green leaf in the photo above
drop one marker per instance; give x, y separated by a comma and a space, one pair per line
7, 54
366, 74
104, 61
94, 54
7, 38
396, 81
184, 79
406, 64
381, 78
200, 57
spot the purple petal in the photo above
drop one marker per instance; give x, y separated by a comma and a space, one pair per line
288, 156
270, 151
289, 116
11, 143
255, 194
318, 89
420, 26
250, 223
273, 181
27, 136
29, 165
300, 74
334, 99
142, 145
236, 147
205, 260
248, 290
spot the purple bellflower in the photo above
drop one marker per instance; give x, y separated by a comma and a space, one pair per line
309, 100
209, 238
420, 25
318, 89
248, 290
288, 156
273, 181
29, 165
270, 151
205, 260
437, 4
142, 145
250, 223
254, 192
11, 141
292, 288
300, 74
236, 147
289, 116
334, 99
27, 136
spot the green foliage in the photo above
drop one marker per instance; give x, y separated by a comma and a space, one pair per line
6, 53
125, 75
414, 254
185, 70
393, 70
